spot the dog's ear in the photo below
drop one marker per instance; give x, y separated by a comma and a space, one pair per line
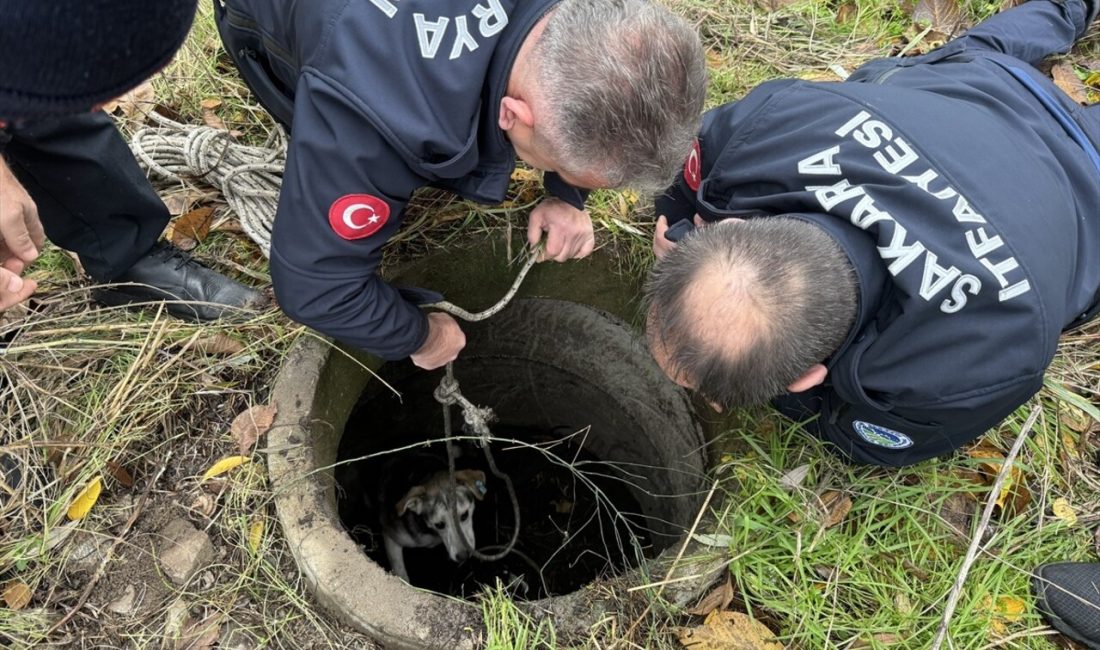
473, 480
413, 500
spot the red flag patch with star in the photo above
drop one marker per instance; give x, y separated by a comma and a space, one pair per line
355, 216
693, 167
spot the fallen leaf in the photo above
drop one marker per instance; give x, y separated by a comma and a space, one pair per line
84, 501
902, 604
1065, 77
139, 100
195, 224
205, 504
1064, 511
726, 630
719, 598
256, 534
209, 117
875, 641
17, 594
249, 425
836, 507
1015, 495
120, 474
200, 636
1003, 610
942, 16
956, 511
224, 465
1074, 418
847, 12
794, 478
218, 343
1008, 4
54, 538
523, 174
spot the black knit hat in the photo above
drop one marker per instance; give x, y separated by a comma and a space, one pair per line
66, 56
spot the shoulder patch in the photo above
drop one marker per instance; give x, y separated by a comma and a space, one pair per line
881, 436
693, 167
355, 216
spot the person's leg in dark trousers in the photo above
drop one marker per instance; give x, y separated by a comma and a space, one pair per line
1031, 31
94, 200
92, 197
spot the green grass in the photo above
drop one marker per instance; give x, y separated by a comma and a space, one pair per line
113, 387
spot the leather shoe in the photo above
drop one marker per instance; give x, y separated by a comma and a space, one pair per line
189, 290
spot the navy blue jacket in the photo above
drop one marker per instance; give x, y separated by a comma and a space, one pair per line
382, 97
969, 212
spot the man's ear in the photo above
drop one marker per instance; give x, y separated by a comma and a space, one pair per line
413, 500
514, 110
812, 377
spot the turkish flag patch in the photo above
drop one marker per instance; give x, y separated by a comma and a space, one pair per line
355, 216
693, 167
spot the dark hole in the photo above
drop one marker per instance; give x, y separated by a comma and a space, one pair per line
573, 528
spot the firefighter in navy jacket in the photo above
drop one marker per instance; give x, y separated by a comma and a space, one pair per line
960, 188
385, 96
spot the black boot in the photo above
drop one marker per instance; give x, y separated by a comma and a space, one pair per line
190, 290
1068, 595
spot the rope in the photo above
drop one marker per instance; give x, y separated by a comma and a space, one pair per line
249, 177
477, 418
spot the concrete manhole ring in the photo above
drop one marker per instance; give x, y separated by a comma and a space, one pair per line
320, 384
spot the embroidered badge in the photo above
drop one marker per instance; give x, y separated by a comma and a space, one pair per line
356, 216
693, 167
881, 436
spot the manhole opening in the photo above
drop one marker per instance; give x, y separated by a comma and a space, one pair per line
574, 528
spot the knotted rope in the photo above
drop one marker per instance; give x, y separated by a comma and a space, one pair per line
248, 177
477, 418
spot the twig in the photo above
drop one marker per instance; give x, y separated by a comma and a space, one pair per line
976, 540
110, 551
668, 574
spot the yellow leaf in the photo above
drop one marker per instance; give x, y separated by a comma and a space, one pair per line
84, 501
17, 594
256, 535
1064, 511
1011, 607
223, 466
726, 630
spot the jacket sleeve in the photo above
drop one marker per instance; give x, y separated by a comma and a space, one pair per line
901, 436
564, 191
676, 203
324, 279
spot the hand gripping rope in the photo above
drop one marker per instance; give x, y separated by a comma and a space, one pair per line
477, 418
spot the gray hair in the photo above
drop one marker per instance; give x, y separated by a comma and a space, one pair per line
623, 82
743, 310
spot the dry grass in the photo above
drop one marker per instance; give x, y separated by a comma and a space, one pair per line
85, 391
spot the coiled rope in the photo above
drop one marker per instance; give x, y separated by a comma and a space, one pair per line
249, 177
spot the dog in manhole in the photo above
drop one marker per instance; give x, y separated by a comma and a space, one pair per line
413, 498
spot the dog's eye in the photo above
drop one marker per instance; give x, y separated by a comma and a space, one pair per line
465, 516
439, 526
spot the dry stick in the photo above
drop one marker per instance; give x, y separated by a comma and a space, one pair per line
976, 540
672, 567
111, 551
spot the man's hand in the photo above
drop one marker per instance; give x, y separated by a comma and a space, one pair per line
445, 340
661, 244
569, 231
21, 237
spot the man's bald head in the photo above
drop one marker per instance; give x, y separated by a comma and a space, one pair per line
740, 310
